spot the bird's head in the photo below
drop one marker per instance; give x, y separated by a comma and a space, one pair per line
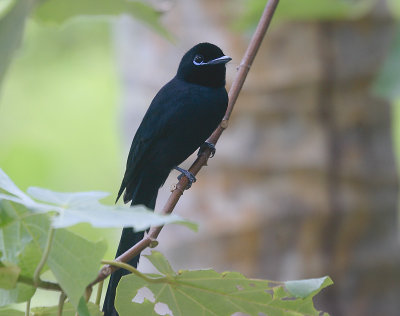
204, 64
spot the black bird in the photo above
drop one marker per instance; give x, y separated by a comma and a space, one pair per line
179, 120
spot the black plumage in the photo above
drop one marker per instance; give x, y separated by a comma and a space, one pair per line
180, 118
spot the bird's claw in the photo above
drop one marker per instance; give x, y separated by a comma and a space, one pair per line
188, 175
205, 146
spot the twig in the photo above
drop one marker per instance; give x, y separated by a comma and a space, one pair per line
201, 161
41, 284
46, 251
28, 308
61, 301
123, 265
98, 294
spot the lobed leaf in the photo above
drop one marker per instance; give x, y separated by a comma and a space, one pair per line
22, 242
83, 207
73, 260
206, 292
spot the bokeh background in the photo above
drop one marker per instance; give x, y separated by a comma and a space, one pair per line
304, 183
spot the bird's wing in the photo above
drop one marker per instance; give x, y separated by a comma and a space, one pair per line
159, 117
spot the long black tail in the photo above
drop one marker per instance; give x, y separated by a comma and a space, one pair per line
128, 239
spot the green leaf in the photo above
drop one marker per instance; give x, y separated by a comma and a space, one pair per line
21, 293
68, 310
11, 312
82, 308
9, 186
74, 262
29, 258
304, 288
16, 234
206, 292
387, 84
12, 23
66, 199
9, 276
160, 263
59, 11
191, 225
84, 207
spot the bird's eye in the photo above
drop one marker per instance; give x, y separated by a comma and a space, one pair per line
198, 60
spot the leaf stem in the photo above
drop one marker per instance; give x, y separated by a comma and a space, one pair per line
28, 308
61, 301
135, 271
42, 284
99, 291
45, 255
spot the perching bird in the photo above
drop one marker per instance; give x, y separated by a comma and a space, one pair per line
179, 120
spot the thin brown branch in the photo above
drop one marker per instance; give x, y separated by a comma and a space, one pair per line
201, 161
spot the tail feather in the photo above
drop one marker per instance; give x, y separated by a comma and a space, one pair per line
128, 239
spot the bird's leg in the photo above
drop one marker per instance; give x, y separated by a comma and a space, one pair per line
205, 146
187, 174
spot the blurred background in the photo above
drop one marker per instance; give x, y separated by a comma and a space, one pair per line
304, 182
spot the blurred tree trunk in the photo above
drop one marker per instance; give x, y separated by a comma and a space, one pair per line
304, 182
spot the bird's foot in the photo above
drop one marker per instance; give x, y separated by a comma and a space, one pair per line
188, 175
205, 146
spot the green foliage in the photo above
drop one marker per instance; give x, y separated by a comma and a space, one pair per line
68, 310
295, 10
305, 288
10, 312
12, 21
25, 228
21, 293
62, 90
394, 6
33, 240
206, 292
13, 14
9, 276
59, 11
387, 84
74, 262
6, 6
67, 209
